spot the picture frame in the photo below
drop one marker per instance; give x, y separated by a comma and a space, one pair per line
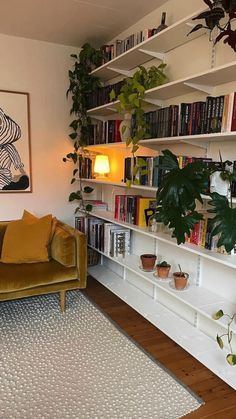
15, 150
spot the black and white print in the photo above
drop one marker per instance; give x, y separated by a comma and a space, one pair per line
14, 142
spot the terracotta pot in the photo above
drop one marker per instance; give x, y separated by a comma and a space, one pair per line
163, 271
180, 280
148, 261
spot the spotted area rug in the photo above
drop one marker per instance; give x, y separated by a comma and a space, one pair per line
79, 365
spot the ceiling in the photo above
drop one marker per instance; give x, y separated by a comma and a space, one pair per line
72, 22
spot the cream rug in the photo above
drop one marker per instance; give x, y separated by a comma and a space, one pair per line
79, 365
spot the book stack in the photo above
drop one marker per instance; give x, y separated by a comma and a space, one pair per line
131, 208
104, 132
216, 114
85, 168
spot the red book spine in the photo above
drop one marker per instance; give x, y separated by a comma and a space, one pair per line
117, 131
117, 207
233, 123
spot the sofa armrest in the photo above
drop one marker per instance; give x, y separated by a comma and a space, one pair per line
81, 252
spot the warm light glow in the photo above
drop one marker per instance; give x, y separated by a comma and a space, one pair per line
101, 165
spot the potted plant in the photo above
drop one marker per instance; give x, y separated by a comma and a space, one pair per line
148, 261
220, 16
131, 103
180, 279
163, 269
231, 357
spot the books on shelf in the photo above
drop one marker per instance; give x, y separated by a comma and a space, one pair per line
131, 208
105, 132
107, 237
102, 95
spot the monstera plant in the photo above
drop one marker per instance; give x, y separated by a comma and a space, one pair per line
178, 194
220, 15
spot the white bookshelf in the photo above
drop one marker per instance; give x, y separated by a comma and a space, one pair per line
185, 316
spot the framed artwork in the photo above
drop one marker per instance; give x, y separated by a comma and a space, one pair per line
15, 156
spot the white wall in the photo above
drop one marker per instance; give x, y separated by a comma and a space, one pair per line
41, 69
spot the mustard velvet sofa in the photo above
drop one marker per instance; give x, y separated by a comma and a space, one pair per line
28, 279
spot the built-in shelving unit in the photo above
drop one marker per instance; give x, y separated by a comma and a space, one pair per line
154, 47
185, 316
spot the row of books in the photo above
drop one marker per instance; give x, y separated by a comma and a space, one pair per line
85, 168
107, 237
102, 94
104, 132
154, 173
216, 114
120, 46
131, 209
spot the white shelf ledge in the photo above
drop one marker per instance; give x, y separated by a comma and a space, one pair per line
120, 184
226, 260
164, 41
193, 340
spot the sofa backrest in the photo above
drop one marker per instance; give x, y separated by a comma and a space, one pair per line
3, 226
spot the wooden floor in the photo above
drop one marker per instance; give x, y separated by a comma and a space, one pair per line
219, 398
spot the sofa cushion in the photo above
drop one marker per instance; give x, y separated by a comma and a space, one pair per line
26, 242
27, 216
26, 275
3, 226
63, 247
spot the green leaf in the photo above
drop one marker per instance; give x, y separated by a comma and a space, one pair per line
73, 180
64, 159
77, 209
123, 129
75, 171
88, 189
73, 135
112, 95
220, 342
141, 162
231, 359
128, 183
134, 149
218, 315
128, 141
74, 56
88, 207
75, 195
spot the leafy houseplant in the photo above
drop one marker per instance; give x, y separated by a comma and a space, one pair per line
81, 84
177, 196
219, 10
163, 269
180, 279
131, 102
231, 357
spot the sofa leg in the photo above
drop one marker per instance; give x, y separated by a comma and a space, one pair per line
62, 300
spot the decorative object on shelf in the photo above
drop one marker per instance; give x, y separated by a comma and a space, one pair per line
163, 24
231, 357
148, 261
125, 127
163, 269
153, 225
101, 166
215, 18
180, 279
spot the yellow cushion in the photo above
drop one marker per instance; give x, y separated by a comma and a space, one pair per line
26, 242
27, 216
63, 247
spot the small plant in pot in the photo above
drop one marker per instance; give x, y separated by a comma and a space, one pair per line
180, 279
163, 269
148, 261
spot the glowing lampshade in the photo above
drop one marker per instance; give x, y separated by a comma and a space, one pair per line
101, 165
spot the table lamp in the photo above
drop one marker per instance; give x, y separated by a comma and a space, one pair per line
101, 166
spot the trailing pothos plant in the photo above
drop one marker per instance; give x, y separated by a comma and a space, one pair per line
220, 15
179, 192
131, 101
231, 357
81, 84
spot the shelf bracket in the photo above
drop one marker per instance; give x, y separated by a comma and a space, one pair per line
126, 73
196, 143
201, 87
158, 55
154, 101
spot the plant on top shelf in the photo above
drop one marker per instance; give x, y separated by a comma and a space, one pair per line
131, 101
177, 196
220, 16
231, 357
81, 84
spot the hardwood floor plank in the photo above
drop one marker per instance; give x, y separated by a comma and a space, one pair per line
220, 399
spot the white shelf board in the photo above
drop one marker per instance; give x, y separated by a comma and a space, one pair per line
164, 41
194, 341
191, 139
204, 81
226, 260
104, 110
120, 184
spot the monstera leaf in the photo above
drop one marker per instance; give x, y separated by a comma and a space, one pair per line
224, 221
176, 198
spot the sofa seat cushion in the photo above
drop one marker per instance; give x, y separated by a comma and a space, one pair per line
26, 275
